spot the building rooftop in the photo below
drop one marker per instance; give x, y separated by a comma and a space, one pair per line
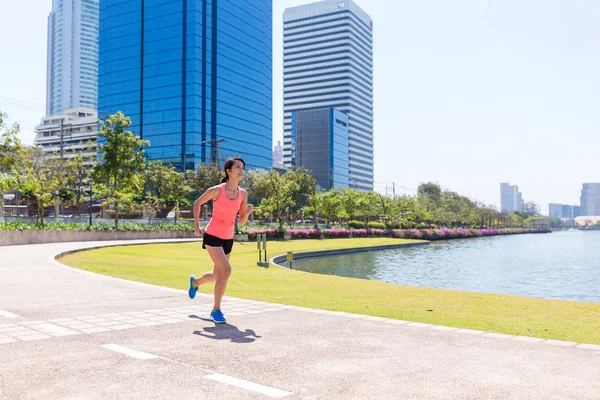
325, 7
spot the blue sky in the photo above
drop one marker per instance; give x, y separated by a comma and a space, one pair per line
468, 93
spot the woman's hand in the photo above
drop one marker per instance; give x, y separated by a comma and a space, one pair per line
198, 232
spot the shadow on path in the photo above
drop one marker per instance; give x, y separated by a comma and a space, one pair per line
226, 331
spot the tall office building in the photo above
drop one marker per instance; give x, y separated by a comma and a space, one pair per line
72, 63
510, 198
563, 211
590, 199
321, 138
328, 63
69, 135
195, 77
278, 155
555, 210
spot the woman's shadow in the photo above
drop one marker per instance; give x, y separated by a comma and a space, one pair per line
226, 331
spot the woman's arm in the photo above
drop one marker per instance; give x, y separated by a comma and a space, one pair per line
245, 208
210, 194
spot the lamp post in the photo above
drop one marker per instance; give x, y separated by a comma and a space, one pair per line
91, 182
56, 205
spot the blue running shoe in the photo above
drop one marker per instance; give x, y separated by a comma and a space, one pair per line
192, 291
217, 317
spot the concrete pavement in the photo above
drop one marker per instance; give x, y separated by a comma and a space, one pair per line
66, 333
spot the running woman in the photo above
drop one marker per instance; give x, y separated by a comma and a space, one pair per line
228, 199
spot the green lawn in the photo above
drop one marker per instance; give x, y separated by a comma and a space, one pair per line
171, 265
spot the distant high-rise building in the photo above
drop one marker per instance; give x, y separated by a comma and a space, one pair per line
278, 155
555, 210
510, 198
321, 138
590, 199
69, 135
195, 77
72, 61
563, 211
328, 63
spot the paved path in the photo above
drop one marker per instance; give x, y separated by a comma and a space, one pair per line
66, 333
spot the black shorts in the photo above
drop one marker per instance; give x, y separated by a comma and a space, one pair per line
213, 241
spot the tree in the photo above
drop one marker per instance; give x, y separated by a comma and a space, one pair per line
305, 187
405, 210
431, 191
351, 202
79, 173
204, 177
249, 183
386, 205
532, 209
123, 158
163, 186
520, 214
10, 147
429, 197
277, 192
371, 206
329, 204
40, 177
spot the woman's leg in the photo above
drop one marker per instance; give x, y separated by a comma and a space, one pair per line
209, 276
223, 269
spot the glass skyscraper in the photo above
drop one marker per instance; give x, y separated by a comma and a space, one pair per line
320, 140
590, 199
328, 63
195, 77
72, 62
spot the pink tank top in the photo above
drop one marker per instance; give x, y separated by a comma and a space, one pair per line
222, 223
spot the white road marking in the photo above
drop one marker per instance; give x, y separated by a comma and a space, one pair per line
95, 330
251, 386
6, 314
55, 329
130, 352
33, 337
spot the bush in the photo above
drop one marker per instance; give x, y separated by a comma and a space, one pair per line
476, 232
356, 224
270, 232
413, 234
379, 232
360, 233
377, 225
305, 233
441, 234
96, 226
336, 233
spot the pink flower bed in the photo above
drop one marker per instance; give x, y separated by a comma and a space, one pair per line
336, 233
305, 233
